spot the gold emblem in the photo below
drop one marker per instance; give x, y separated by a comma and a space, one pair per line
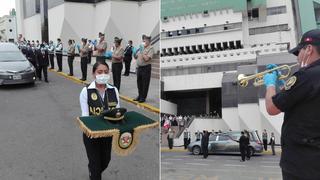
94, 96
290, 82
125, 140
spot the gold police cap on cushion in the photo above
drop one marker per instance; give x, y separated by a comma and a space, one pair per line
116, 114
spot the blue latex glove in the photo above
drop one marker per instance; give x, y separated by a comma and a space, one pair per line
270, 79
271, 66
280, 83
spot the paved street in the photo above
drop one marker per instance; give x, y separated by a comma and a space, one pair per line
184, 166
39, 137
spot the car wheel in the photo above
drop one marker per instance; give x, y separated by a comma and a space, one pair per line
196, 150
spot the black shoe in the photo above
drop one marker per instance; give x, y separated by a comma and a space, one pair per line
241, 160
142, 100
59, 71
137, 99
70, 74
39, 79
46, 81
82, 79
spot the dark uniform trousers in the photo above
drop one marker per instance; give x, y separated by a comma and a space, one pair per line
170, 143
248, 151
89, 56
84, 67
70, 64
116, 74
99, 155
127, 63
44, 69
265, 144
205, 150
100, 59
59, 61
289, 176
51, 58
143, 80
243, 152
185, 143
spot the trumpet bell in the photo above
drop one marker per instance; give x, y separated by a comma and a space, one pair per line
241, 76
242, 80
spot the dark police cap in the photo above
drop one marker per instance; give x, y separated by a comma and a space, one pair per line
146, 37
311, 37
116, 114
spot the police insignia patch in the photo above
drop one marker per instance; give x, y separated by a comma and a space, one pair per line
125, 140
94, 96
290, 82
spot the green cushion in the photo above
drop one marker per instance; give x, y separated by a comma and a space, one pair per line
131, 121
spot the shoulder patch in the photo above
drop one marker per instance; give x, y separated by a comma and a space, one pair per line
290, 82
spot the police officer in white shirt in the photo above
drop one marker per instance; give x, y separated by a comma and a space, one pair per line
51, 54
59, 49
94, 99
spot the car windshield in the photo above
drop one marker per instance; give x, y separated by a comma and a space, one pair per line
11, 56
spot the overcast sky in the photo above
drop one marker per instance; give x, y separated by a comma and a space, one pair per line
6, 6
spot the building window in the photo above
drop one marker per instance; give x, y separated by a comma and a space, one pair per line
276, 10
10, 30
255, 13
9, 20
268, 29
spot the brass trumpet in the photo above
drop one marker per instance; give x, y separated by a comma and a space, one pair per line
243, 80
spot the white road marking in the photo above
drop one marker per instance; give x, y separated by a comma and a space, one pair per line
270, 166
197, 164
172, 159
235, 165
181, 156
163, 162
271, 162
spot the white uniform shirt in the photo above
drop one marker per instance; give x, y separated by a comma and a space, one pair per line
84, 98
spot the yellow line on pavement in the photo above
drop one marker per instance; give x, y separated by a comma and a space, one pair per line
125, 98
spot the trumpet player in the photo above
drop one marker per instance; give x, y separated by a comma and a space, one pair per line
300, 102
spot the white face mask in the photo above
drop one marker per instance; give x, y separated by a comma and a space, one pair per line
143, 44
102, 78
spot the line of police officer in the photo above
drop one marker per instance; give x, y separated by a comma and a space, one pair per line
38, 55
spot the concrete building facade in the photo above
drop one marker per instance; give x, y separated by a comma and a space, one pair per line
74, 19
